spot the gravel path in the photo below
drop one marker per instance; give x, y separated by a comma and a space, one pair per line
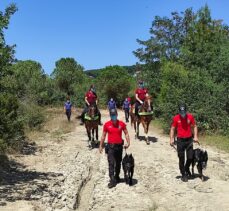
66, 175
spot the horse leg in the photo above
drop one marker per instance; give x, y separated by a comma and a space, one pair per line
146, 128
89, 137
138, 123
97, 135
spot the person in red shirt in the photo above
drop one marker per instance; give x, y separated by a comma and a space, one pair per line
184, 123
114, 129
90, 99
140, 94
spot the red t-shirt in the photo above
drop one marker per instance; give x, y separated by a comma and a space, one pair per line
114, 131
183, 125
141, 93
91, 97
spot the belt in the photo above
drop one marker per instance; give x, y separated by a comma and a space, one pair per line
115, 145
184, 139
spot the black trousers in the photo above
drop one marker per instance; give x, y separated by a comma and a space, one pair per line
68, 114
185, 144
114, 159
137, 106
127, 113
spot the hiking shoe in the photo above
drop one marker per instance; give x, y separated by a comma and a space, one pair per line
81, 123
184, 178
111, 184
117, 178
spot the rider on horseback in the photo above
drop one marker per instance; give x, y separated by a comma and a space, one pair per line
140, 95
90, 99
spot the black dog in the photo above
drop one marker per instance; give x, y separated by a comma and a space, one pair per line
201, 158
128, 168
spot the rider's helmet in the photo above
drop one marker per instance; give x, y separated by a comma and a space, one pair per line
182, 110
111, 99
141, 84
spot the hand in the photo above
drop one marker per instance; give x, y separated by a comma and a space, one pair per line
195, 139
141, 102
171, 142
126, 146
100, 149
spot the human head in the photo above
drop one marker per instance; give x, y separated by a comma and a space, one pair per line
92, 88
182, 110
68, 99
141, 84
113, 115
112, 99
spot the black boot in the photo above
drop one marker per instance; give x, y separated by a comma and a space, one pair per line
184, 178
82, 119
112, 182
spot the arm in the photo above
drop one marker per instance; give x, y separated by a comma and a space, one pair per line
172, 130
64, 109
127, 138
85, 99
195, 133
102, 141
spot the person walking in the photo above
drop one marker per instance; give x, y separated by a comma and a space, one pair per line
114, 129
126, 109
111, 104
185, 125
68, 108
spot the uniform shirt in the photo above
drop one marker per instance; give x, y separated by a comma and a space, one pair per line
114, 131
68, 106
126, 104
183, 125
141, 93
111, 104
91, 97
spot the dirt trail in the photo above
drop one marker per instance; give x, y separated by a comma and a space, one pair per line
66, 175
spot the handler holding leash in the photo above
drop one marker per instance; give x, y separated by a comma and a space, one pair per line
184, 123
114, 128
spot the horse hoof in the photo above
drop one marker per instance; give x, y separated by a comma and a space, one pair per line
147, 142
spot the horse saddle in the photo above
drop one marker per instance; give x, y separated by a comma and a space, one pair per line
87, 117
145, 113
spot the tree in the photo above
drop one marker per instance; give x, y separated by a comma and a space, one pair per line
67, 73
114, 82
192, 52
11, 131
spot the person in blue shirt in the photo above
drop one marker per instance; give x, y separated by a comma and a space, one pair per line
111, 104
68, 108
126, 109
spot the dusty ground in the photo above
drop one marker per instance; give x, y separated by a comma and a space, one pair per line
64, 174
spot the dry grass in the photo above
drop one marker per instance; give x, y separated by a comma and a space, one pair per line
220, 142
56, 124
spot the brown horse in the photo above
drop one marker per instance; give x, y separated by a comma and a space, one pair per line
91, 125
144, 118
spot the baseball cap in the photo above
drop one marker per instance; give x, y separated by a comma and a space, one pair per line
182, 110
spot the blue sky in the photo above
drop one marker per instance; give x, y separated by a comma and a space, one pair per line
97, 33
